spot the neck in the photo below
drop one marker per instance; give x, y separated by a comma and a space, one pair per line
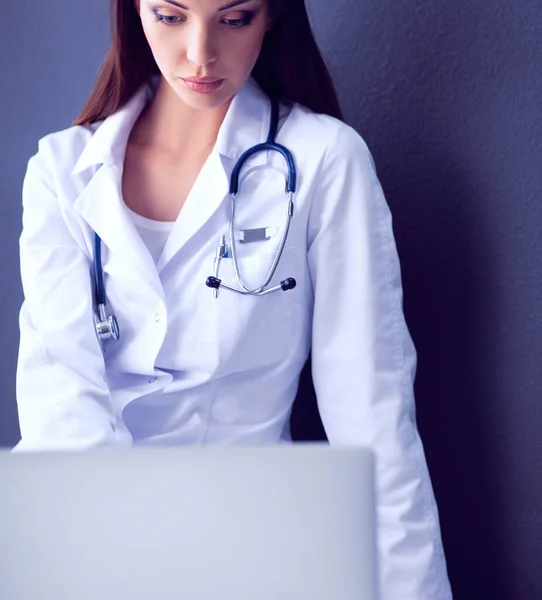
170, 126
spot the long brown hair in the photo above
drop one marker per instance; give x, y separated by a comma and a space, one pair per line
290, 66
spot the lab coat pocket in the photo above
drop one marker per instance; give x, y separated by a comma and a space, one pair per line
240, 332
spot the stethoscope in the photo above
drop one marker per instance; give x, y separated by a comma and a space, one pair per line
107, 326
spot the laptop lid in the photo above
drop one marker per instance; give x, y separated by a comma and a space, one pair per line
292, 522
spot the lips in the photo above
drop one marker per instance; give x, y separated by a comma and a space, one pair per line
204, 85
202, 79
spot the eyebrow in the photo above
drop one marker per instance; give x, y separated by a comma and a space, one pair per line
225, 7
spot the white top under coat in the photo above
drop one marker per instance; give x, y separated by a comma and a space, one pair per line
153, 233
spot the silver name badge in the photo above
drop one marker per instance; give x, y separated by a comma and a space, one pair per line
246, 236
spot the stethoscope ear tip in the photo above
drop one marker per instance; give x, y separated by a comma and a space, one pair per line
288, 284
213, 282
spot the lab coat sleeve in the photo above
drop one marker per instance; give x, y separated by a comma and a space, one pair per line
363, 364
63, 400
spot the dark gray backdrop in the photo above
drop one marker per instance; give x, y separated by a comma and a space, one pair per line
447, 94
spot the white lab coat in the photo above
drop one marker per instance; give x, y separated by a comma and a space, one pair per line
191, 369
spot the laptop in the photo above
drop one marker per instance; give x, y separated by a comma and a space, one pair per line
290, 522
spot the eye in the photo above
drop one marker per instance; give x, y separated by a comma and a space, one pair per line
167, 19
244, 21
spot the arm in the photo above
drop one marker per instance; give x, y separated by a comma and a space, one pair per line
63, 399
363, 364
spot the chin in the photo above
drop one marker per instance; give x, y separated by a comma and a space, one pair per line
202, 101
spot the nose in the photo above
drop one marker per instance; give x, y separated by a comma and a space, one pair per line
200, 48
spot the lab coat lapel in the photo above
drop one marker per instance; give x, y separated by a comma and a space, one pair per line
206, 196
101, 203
101, 206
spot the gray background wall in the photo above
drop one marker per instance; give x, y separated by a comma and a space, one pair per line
447, 94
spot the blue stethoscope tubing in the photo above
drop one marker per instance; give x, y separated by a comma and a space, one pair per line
291, 183
107, 326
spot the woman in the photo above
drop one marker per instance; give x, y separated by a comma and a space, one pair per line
139, 187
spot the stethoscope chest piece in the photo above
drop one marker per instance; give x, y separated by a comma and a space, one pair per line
107, 327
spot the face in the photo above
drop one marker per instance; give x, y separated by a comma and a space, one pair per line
215, 41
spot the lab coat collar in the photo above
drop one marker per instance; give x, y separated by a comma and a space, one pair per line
100, 203
245, 125
108, 144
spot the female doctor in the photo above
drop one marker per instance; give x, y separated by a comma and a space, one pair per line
155, 310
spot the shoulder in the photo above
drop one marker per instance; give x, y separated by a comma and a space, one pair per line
51, 167
63, 148
324, 137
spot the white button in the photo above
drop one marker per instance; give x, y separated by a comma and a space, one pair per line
157, 317
152, 380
